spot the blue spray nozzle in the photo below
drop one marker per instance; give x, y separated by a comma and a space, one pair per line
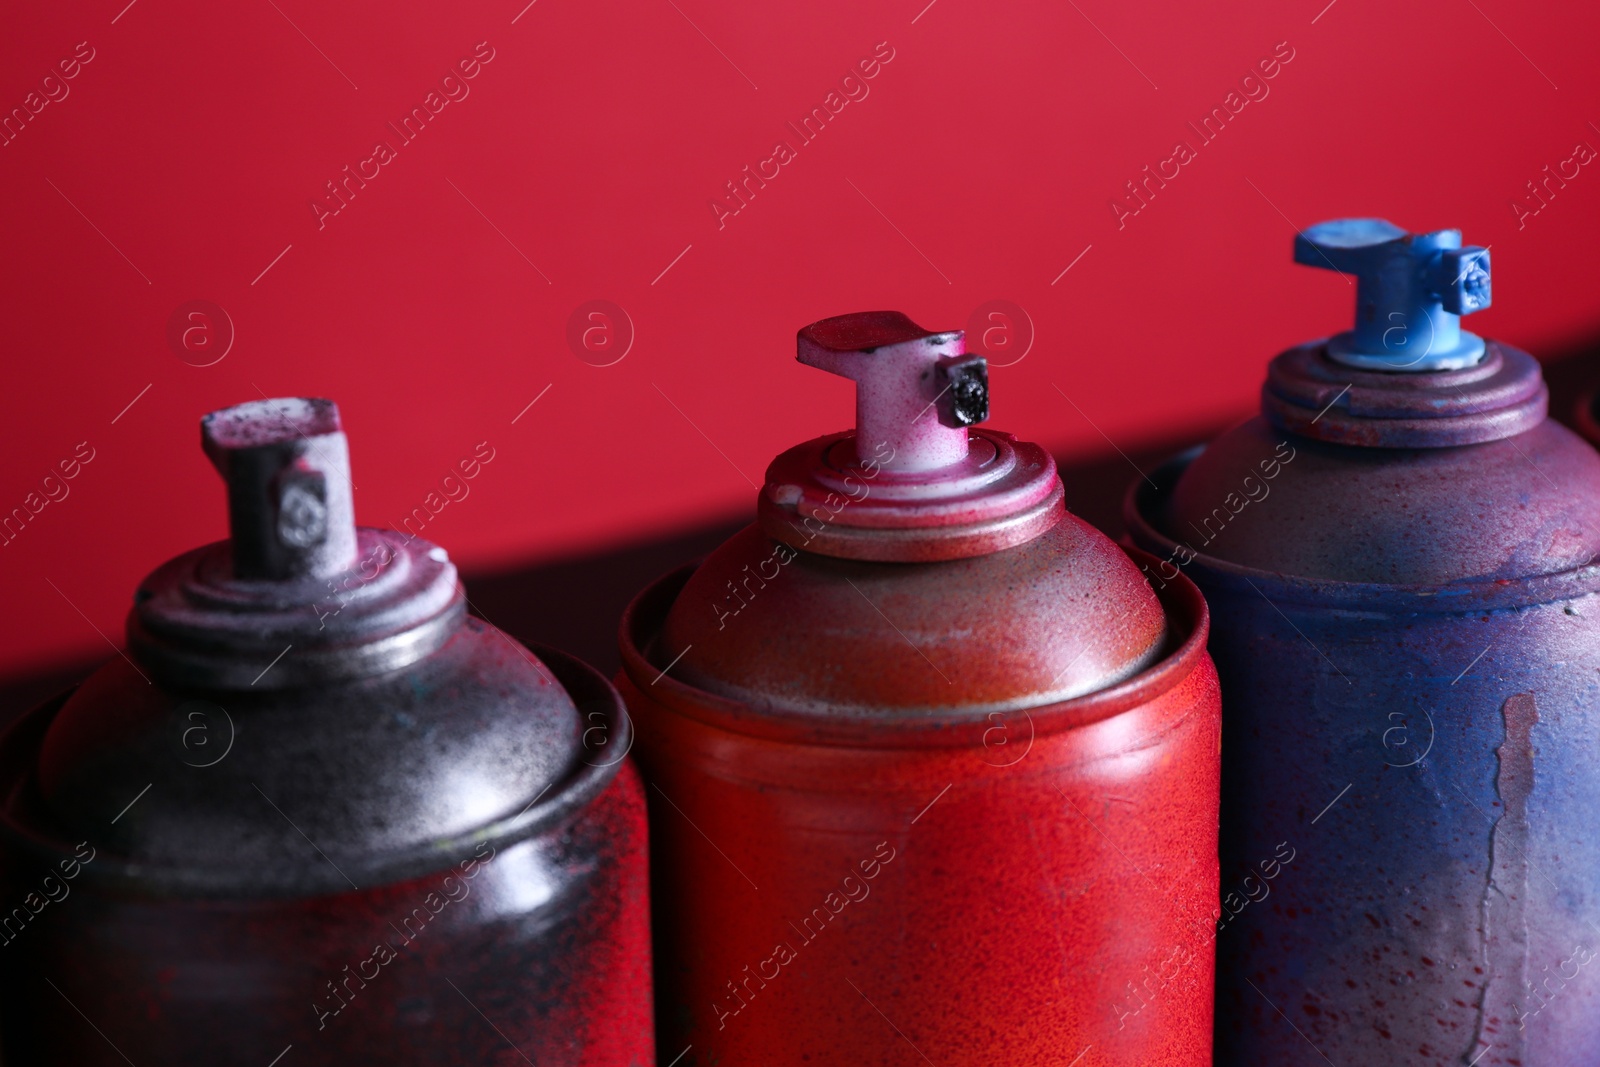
1411, 291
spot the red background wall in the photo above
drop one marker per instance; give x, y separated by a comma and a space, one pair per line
183, 159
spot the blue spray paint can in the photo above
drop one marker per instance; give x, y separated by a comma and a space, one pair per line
1398, 553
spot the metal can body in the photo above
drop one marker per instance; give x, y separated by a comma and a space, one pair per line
315, 809
1016, 887
1408, 790
1400, 554
533, 944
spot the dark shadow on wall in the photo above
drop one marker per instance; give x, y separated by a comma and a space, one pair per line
574, 604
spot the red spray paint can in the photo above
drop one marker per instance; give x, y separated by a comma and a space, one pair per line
933, 770
318, 815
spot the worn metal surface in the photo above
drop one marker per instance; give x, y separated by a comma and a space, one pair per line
772, 626
995, 887
961, 808
1409, 643
441, 863
544, 929
1501, 509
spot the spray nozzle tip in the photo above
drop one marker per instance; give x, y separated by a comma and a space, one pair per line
916, 390
287, 466
1411, 291
264, 423
863, 331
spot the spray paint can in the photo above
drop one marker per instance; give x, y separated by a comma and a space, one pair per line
932, 769
316, 812
1398, 557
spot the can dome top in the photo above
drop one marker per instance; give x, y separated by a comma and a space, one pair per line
916, 569
305, 681
1407, 470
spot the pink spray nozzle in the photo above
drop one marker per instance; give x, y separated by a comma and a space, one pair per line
916, 390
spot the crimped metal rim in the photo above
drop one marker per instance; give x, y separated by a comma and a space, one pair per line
1306, 392
985, 511
194, 630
